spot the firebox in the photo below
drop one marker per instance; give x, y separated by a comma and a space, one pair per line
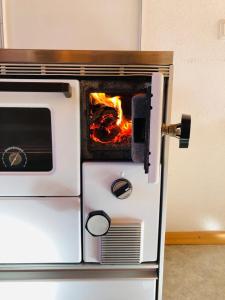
106, 117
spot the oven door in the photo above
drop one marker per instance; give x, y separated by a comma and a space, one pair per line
147, 122
39, 138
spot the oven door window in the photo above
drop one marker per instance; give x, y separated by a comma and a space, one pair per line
25, 139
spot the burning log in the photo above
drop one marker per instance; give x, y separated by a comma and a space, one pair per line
104, 124
107, 123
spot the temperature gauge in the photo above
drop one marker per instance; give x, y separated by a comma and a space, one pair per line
14, 158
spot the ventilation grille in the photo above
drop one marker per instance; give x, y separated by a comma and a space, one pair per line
81, 70
122, 244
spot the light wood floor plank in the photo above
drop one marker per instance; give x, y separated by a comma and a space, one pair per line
196, 238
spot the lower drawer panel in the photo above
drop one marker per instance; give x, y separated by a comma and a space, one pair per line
122, 289
40, 230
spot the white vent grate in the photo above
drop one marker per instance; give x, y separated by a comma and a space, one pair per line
122, 244
82, 70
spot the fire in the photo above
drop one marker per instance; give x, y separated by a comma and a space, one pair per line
108, 124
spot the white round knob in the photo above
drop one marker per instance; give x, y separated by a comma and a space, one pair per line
98, 223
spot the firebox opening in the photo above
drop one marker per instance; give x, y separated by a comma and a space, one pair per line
106, 117
110, 119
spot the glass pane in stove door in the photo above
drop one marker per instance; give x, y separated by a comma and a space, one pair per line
25, 139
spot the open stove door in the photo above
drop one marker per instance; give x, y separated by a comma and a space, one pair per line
147, 124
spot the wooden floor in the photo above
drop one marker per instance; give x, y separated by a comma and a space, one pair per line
196, 238
194, 272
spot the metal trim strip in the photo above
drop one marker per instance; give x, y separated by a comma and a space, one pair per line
81, 70
79, 275
86, 57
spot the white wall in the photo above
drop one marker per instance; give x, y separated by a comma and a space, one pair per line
1, 26
72, 24
196, 199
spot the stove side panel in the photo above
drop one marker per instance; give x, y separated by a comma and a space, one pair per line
164, 175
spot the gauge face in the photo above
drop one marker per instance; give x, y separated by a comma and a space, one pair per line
14, 158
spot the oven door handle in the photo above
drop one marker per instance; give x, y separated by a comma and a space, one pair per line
36, 87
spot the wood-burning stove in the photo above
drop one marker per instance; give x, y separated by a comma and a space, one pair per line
92, 218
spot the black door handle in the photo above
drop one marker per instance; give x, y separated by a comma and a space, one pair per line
181, 130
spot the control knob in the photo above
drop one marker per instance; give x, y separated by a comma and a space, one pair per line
98, 223
180, 131
121, 188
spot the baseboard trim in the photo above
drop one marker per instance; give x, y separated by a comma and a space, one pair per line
195, 238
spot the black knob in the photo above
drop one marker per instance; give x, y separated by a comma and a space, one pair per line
121, 188
185, 129
98, 223
181, 131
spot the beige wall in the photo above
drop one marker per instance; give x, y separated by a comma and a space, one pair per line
196, 198
72, 24
1, 26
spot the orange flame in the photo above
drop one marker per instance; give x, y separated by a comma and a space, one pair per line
117, 128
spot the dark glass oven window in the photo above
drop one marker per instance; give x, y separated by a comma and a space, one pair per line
25, 139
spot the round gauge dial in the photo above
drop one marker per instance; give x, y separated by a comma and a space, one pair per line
14, 157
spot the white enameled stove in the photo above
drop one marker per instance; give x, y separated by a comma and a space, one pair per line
83, 167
